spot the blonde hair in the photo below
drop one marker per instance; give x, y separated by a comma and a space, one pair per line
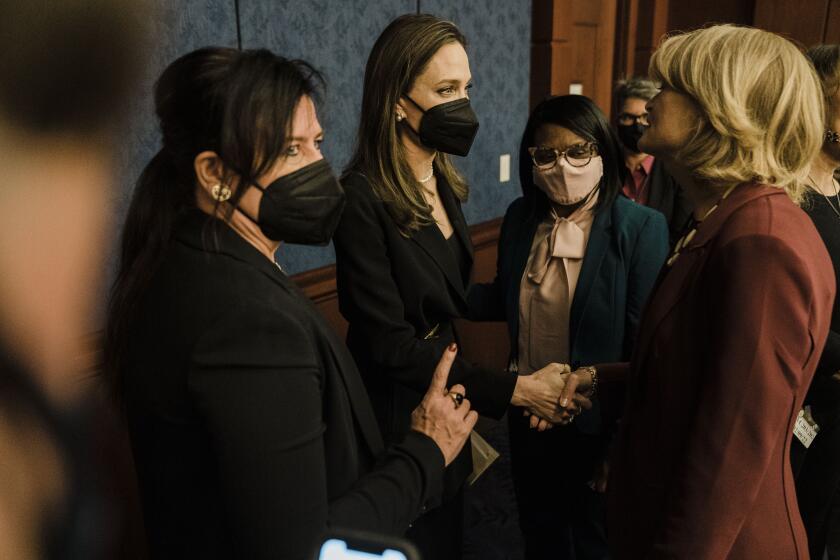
761, 99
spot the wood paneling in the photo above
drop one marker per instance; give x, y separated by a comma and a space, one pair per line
652, 26
801, 20
685, 15
626, 26
573, 42
832, 23
483, 343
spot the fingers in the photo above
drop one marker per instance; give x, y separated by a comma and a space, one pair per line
534, 421
465, 408
582, 402
470, 419
569, 390
441, 375
458, 388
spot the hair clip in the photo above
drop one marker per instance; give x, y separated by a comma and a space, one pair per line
831, 136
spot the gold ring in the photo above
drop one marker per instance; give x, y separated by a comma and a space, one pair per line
457, 398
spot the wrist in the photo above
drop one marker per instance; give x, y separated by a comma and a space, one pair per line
521, 392
592, 373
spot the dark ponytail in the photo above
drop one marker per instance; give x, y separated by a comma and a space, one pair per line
238, 104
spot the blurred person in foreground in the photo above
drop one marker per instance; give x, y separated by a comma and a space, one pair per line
66, 67
737, 322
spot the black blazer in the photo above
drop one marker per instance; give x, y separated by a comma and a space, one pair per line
399, 295
627, 245
249, 422
667, 196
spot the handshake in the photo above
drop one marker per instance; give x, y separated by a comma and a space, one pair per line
555, 394
552, 395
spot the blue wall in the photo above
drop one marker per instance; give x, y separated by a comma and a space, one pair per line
336, 36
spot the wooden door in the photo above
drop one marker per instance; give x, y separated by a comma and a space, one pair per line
809, 22
573, 49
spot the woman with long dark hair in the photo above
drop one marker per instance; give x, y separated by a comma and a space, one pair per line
250, 426
403, 251
576, 263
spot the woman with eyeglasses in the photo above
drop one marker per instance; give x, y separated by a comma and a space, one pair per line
576, 264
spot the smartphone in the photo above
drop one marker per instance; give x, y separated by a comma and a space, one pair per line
357, 545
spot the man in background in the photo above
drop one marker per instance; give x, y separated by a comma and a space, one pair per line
647, 183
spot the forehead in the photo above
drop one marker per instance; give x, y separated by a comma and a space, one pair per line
305, 119
556, 136
634, 106
450, 62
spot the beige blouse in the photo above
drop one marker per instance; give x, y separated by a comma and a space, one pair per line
548, 287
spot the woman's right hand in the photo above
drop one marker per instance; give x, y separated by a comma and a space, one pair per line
439, 417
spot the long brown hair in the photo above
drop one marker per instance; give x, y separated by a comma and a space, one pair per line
399, 56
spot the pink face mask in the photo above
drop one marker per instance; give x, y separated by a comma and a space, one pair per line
566, 184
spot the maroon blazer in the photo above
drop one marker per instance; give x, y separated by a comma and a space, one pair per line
726, 351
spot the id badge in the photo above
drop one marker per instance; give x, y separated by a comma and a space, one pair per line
806, 428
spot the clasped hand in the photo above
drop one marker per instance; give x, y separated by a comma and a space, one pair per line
553, 395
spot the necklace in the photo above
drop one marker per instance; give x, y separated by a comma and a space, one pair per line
428, 177
686, 239
836, 194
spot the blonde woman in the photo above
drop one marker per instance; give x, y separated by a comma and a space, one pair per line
735, 327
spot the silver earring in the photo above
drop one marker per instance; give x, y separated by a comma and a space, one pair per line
399, 117
220, 192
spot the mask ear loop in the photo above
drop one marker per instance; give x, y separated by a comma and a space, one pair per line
249, 183
405, 120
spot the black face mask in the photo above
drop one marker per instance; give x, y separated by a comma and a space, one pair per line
303, 207
449, 127
629, 134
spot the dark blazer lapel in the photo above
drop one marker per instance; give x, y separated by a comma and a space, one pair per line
431, 240
213, 236
596, 248
456, 216
359, 399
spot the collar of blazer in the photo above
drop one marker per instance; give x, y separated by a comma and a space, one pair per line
596, 248
673, 282
197, 230
431, 240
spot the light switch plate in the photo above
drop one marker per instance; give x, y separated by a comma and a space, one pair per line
504, 168
575, 89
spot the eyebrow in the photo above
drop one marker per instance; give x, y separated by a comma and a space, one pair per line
302, 139
452, 81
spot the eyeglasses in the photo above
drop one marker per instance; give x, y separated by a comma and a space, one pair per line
627, 119
576, 155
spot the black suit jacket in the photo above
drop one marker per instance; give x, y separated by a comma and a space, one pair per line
399, 295
249, 422
667, 196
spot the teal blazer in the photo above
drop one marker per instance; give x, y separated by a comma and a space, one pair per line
627, 247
